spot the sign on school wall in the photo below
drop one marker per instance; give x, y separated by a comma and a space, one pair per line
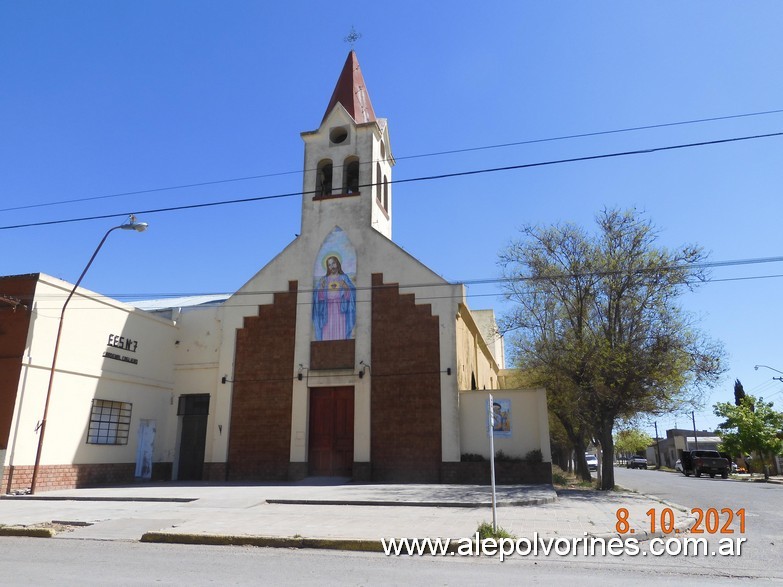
118, 346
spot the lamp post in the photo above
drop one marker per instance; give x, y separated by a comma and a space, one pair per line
131, 224
756, 367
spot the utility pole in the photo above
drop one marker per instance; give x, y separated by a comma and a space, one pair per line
657, 446
695, 435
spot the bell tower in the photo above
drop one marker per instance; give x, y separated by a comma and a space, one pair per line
348, 161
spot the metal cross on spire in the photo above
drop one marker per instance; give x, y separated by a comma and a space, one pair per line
352, 37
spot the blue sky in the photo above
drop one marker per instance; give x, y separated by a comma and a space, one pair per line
104, 98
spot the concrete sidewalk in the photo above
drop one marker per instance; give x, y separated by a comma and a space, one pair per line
328, 513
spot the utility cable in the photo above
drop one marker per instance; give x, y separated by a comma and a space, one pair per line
401, 181
131, 298
418, 156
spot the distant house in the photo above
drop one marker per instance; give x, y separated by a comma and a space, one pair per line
678, 440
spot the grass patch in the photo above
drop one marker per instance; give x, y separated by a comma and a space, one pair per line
29, 531
565, 480
558, 477
485, 530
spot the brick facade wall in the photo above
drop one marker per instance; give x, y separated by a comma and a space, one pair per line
405, 405
214, 472
14, 325
53, 477
260, 442
332, 354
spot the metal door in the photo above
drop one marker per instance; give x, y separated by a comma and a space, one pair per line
194, 410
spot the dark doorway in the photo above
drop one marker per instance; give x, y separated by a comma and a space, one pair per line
331, 432
194, 410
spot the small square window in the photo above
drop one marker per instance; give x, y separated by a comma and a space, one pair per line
109, 422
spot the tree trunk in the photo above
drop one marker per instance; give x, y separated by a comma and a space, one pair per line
579, 459
764, 466
607, 463
577, 440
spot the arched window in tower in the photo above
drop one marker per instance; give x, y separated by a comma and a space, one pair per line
378, 183
323, 178
385, 194
351, 175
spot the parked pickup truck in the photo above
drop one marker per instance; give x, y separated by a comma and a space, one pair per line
704, 461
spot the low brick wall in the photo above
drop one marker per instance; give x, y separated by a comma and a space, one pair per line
362, 472
506, 473
213, 472
297, 471
53, 477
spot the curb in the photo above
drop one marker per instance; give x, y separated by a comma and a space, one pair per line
428, 504
98, 498
264, 541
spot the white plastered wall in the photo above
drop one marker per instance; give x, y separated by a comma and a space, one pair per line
84, 374
196, 371
529, 423
488, 327
369, 142
474, 356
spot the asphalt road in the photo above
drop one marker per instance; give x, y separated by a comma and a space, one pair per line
35, 561
762, 502
25, 561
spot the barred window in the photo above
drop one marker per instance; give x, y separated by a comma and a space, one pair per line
109, 422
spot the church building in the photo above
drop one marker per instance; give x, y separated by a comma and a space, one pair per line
343, 356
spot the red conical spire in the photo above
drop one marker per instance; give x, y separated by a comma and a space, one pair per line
351, 92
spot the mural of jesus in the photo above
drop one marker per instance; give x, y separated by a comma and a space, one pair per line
334, 303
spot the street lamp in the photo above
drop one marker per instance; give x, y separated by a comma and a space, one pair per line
771, 369
131, 224
756, 367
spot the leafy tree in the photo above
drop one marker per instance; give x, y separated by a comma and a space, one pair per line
563, 427
739, 392
631, 441
751, 428
598, 314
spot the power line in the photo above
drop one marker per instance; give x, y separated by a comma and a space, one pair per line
417, 156
495, 280
130, 298
400, 181
762, 387
593, 134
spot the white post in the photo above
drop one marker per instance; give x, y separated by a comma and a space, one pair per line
492, 463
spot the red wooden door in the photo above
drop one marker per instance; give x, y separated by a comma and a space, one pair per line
331, 431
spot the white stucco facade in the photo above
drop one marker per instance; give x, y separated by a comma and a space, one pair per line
108, 351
